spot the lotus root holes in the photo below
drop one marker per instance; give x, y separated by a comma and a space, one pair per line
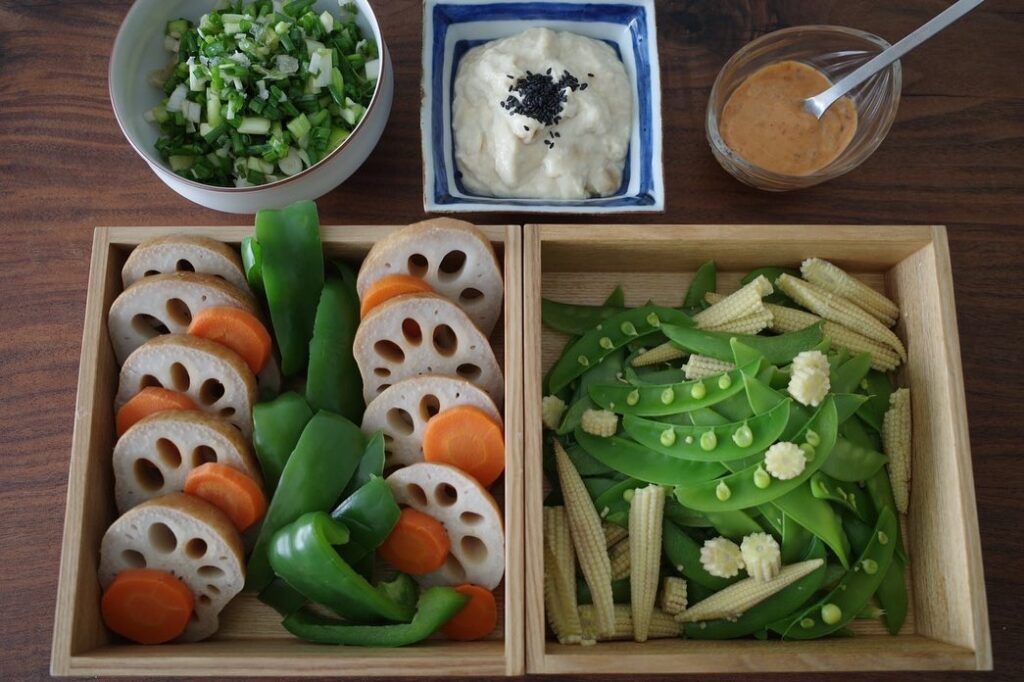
211, 391
451, 265
148, 474
162, 538
445, 340
178, 312
169, 453
418, 495
418, 265
195, 548
473, 548
389, 351
180, 379
400, 421
429, 406
446, 495
202, 455
412, 332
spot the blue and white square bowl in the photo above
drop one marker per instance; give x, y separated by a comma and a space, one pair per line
452, 27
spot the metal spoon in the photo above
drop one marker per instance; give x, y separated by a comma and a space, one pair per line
818, 104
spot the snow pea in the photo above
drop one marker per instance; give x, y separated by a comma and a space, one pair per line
757, 617
740, 489
879, 489
640, 462
610, 335
846, 378
586, 465
646, 376
795, 539
857, 432
851, 463
772, 273
734, 524
706, 416
604, 372
611, 505
763, 398
683, 553
818, 517
877, 385
681, 516
665, 399
772, 518
620, 591
777, 350
833, 611
616, 299
704, 280
892, 591
847, 495
710, 444
571, 318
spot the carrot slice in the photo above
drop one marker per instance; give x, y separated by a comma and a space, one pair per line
147, 606
418, 543
236, 329
478, 617
150, 400
230, 490
389, 287
467, 438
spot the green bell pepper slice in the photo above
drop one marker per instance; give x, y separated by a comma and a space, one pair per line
293, 275
436, 607
333, 382
371, 464
277, 425
316, 473
370, 514
252, 264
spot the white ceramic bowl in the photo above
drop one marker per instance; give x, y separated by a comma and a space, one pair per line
139, 50
451, 27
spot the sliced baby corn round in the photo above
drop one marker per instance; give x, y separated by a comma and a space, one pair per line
721, 557
552, 408
646, 512
834, 279
762, 556
603, 423
896, 441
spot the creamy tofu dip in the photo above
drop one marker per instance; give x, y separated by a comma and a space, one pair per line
542, 114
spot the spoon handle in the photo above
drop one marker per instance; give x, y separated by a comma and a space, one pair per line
819, 103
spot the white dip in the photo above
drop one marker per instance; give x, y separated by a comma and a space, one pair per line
535, 145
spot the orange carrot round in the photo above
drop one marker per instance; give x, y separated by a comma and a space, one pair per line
478, 617
467, 438
418, 544
389, 287
230, 490
147, 606
236, 329
150, 400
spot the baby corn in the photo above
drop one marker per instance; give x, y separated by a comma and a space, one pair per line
701, 366
645, 518
666, 352
613, 533
601, 423
560, 572
736, 305
748, 324
896, 440
620, 556
835, 280
662, 624
785, 320
673, 595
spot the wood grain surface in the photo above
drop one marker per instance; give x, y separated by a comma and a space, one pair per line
954, 157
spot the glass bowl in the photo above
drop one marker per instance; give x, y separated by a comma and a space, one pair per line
833, 50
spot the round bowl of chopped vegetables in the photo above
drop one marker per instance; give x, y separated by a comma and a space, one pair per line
242, 105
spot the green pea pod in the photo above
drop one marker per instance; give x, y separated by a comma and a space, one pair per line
857, 432
846, 377
640, 462
370, 514
371, 464
577, 320
333, 382
612, 501
818, 517
252, 263
735, 524
706, 416
892, 591
667, 399
615, 303
646, 376
725, 443
740, 490
779, 297
777, 350
313, 479
683, 553
436, 607
293, 276
772, 518
604, 372
758, 617
795, 539
276, 427
852, 463
586, 465
609, 336
846, 495
879, 489
303, 554
840, 606
877, 385
616, 299
704, 280
681, 516
620, 591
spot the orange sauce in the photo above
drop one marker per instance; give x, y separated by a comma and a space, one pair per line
764, 123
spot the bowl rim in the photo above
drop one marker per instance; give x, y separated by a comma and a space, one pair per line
383, 55
718, 144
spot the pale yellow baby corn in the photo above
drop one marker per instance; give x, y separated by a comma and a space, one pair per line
785, 320
838, 309
734, 600
662, 624
896, 436
619, 555
748, 324
588, 539
646, 512
736, 305
603, 423
666, 352
552, 408
613, 533
560, 570
701, 366
834, 279
673, 595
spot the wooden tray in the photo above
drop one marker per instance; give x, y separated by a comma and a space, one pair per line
251, 641
948, 623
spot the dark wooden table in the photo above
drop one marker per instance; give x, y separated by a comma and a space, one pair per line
954, 157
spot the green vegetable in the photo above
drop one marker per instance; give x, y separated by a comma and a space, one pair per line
777, 350
436, 607
852, 463
642, 463
370, 514
611, 503
683, 554
704, 280
846, 378
293, 276
879, 387
795, 538
279, 596
574, 319
892, 590
603, 372
620, 591
252, 263
847, 495
276, 427
371, 465
334, 382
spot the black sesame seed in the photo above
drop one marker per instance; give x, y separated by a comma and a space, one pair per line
548, 72
557, 134
589, 75
526, 128
510, 76
584, 86
539, 96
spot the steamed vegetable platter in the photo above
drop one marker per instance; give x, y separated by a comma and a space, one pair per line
321, 436
742, 493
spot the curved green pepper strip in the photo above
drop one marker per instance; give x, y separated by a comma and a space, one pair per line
370, 514
313, 479
302, 553
609, 336
795, 539
574, 319
437, 605
704, 280
740, 490
846, 378
636, 461
683, 553
620, 591
773, 273
605, 371
851, 463
293, 276
666, 399
777, 350
879, 489
846, 495
730, 441
877, 385
252, 263
279, 596
892, 591
333, 382
840, 606
276, 427
371, 464
771, 609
